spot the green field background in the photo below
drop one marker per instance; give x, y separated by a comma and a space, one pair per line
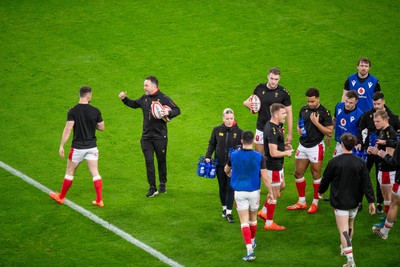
207, 55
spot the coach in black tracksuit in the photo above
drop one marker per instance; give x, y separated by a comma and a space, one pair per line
223, 138
155, 134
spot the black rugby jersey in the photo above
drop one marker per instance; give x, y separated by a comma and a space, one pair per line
273, 135
314, 136
268, 97
85, 119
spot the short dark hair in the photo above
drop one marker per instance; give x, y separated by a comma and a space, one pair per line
365, 60
348, 140
274, 71
275, 107
247, 137
378, 95
84, 91
153, 80
312, 92
352, 94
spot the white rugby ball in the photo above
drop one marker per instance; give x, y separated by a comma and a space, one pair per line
156, 109
255, 99
165, 118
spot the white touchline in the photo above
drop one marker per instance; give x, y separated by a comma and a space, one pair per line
95, 218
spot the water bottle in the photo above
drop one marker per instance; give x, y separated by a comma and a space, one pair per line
213, 170
201, 167
372, 139
364, 155
207, 169
302, 127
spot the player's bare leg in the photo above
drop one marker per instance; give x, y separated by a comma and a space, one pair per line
345, 226
259, 148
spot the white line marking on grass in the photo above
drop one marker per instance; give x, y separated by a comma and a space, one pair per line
95, 218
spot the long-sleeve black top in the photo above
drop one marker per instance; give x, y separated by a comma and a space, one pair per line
349, 179
153, 128
222, 139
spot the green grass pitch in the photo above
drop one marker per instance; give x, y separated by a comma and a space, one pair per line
208, 55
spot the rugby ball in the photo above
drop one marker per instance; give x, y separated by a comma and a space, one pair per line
255, 99
156, 109
165, 118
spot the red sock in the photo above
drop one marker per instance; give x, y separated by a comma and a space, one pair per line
246, 233
301, 187
65, 187
316, 186
386, 207
253, 229
271, 210
98, 186
266, 203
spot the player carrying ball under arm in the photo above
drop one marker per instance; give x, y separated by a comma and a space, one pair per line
269, 93
317, 124
275, 151
84, 120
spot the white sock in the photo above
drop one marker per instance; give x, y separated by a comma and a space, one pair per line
249, 249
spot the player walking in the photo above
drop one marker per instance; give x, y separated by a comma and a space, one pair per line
84, 120
349, 179
244, 167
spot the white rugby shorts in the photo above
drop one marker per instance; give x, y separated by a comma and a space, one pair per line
314, 154
247, 200
396, 189
77, 155
351, 213
259, 137
386, 178
276, 177
338, 150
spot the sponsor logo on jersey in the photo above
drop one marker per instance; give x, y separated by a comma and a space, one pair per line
339, 111
343, 122
221, 134
353, 82
361, 91
352, 118
370, 84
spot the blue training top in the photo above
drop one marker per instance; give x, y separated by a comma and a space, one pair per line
365, 90
346, 122
246, 165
